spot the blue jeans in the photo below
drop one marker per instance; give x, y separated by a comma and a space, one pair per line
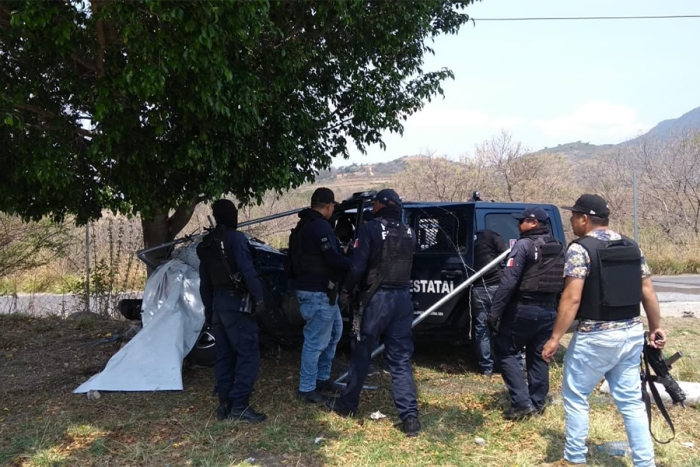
481, 305
322, 331
615, 356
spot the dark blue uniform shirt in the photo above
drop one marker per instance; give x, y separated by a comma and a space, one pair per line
236, 243
367, 250
521, 256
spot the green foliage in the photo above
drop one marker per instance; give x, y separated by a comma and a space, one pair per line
145, 106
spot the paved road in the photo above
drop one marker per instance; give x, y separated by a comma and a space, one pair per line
678, 288
62, 305
677, 294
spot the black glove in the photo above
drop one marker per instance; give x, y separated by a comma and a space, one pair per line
208, 313
493, 323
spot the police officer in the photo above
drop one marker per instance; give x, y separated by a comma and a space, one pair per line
227, 276
606, 279
316, 267
525, 305
383, 256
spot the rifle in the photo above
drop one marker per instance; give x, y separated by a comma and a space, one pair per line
662, 366
654, 357
237, 283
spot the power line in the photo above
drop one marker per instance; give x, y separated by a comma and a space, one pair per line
586, 18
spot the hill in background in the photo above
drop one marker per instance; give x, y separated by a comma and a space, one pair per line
575, 151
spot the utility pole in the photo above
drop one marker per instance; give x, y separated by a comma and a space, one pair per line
87, 267
635, 202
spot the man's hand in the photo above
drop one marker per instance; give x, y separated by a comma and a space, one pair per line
550, 349
493, 323
657, 338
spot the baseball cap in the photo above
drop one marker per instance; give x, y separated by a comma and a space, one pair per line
323, 195
532, 213
593, 205
387, 195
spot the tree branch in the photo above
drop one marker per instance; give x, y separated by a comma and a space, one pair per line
83, 62
182, 216
101, 41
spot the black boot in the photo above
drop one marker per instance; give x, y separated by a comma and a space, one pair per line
411, 426
312, 397
328, 386
519, 413
334, 404
224, 407
246, 414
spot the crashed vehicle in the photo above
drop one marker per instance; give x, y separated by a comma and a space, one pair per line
443, 260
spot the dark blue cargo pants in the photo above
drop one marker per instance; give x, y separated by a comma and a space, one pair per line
237, 352
387, 318
529, 326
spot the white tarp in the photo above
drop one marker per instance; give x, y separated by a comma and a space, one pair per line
172, 316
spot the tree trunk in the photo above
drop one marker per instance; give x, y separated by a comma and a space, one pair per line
160, 229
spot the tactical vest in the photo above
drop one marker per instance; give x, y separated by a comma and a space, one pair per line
212, 253
397, 255
300, 262
546, 275
613, 289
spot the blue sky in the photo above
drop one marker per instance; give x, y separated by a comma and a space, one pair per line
553, 82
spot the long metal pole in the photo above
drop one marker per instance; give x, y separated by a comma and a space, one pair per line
443, 300
635, 203
270, 217
87, 267
141, 254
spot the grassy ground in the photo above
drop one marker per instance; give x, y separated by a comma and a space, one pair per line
43, 424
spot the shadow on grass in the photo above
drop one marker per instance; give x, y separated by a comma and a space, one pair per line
444, 422
555, 451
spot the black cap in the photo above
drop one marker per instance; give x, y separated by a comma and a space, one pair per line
593, 205
532, 213
323, 195
225, 213
388, 195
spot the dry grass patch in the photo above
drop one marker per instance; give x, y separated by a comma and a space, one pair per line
43, 424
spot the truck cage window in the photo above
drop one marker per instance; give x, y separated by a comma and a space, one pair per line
505, 225
442, 232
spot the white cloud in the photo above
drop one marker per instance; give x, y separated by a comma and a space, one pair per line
596, 122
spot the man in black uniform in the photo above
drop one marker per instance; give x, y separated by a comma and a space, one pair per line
487, 247
383, 255
227, 279
315, 268
525, 305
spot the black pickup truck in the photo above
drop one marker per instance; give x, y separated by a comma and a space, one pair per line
443, 260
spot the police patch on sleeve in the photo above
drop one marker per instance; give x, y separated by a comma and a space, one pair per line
325, 243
